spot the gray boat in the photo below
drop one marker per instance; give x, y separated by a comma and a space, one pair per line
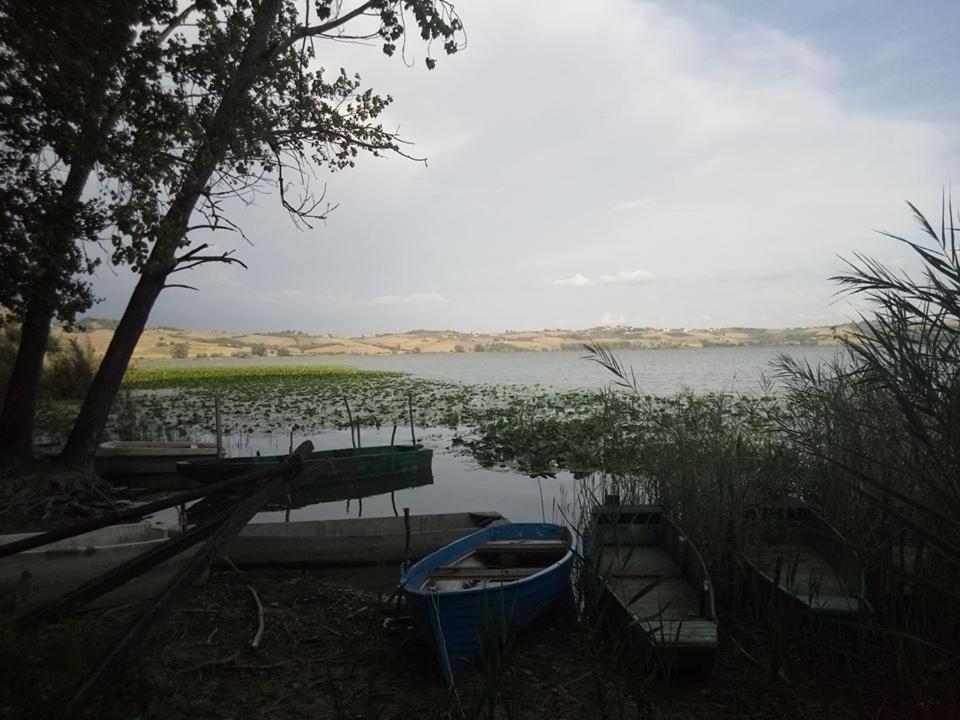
357, 541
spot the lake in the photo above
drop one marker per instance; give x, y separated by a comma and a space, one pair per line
459, 483
659, 372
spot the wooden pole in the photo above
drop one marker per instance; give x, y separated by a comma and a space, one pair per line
413, 435
353, 442
216, 414
179, 583
406, 528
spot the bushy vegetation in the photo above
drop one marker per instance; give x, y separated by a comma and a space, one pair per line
68, 370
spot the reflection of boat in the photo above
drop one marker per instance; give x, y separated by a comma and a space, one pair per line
351, 542
327, 465
793, 548
35, 577
653, 588
349, 489
485, 586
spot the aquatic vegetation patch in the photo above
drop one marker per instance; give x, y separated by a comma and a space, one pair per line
218, 376
174, 402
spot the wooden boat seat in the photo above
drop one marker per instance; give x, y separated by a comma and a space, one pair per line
524, 547
696, 633
458, 572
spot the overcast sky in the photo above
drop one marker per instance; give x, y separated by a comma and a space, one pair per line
612, 162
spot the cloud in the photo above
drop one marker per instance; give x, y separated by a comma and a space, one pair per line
632, 204
628, 277
424, 298
762, 152
578, 280
611, 320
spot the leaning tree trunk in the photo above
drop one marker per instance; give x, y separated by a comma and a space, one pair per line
90, 423
23, 388
20, 401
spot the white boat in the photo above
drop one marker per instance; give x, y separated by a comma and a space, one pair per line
352, 541
118, 458
33, 578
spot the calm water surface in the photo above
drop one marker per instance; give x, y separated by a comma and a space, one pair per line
659, 372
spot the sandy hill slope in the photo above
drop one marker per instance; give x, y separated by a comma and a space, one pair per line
167, 342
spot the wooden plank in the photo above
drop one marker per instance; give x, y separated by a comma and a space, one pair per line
670, 599
696, 633
138, 631
523, 547
636, 561
454, 572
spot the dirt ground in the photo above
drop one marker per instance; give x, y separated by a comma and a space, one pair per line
324, 653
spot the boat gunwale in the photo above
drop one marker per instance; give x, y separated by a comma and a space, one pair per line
462, 592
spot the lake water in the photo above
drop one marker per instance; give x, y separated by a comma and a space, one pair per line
459, 484
659, 372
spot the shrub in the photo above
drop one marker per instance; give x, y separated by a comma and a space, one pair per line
258, 350
69, 373
180, 351
283, 352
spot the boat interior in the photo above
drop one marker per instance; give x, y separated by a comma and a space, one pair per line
656, 575
807, 557
496, 562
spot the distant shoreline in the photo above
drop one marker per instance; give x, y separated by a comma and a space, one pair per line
159, 343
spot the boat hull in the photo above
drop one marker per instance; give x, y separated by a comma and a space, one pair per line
462, 625
121, 459
357, 541
33, 578
324, 466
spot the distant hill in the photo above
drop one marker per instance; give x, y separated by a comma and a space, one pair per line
167, 342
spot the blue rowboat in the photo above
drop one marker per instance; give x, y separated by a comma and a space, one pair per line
481, 588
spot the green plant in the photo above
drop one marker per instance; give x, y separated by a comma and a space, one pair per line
69, 372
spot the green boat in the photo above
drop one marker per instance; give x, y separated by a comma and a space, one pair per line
790, 552
347, 465
651, 587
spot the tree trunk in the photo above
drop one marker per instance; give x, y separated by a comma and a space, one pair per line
20, 402
90, 423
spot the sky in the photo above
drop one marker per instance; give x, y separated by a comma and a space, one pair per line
668, 164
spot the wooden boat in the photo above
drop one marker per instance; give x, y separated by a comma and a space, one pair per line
481, 588
793, 549
344, 464
652, 588
352, 542
33, 578
123, 458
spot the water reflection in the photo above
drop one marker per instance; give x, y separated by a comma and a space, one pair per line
456, 484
